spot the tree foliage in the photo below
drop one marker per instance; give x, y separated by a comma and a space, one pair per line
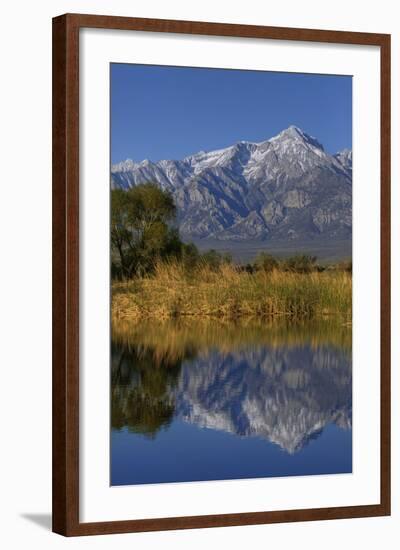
213, 259
300, 263
142, 229
303, 263
266, 262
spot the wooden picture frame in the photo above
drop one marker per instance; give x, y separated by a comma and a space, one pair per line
66, 273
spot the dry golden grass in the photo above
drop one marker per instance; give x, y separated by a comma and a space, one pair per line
231, 293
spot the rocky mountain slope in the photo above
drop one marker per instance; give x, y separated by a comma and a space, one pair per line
287, 187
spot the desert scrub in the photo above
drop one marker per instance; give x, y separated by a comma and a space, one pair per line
230, 292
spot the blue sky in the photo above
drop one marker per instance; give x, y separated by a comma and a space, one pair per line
171, 112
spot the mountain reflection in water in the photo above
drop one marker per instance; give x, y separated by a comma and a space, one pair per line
280, 384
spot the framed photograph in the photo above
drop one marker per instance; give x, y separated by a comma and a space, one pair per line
221, 274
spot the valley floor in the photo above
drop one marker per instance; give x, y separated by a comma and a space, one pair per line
327, 250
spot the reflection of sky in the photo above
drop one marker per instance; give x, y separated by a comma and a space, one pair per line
184, 452
255, 412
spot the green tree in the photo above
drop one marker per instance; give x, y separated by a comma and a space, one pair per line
302, 263
266, 262
141, 229
190, 255
214, 259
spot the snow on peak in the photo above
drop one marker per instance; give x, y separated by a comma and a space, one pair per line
123, 166
345, 158
344, 154
294, 133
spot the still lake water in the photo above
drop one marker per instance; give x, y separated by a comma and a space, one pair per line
208, 400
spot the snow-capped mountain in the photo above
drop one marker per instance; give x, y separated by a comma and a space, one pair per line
284, 187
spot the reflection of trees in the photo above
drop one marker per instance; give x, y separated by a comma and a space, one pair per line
141, 381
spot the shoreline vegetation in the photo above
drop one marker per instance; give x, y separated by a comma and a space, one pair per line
156, 275
229, 292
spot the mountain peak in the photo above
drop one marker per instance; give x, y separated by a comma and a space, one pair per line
295, 133
123, 166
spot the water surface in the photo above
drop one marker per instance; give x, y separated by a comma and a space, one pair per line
208, 400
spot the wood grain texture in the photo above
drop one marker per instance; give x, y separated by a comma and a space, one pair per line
385, 276
65, 276
59, 470
66, 273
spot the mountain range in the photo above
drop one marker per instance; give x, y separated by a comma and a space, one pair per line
285, 188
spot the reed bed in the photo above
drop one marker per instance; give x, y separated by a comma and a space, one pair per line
230, 293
